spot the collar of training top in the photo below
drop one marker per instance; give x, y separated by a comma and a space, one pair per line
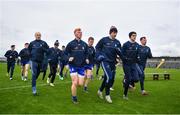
111, 38
77, 39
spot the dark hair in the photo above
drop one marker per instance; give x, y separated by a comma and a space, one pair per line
12, 46
26, 44
131, 33
113, 29
142, 38
56, 43
90, 38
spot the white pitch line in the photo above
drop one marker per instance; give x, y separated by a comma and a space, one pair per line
25, 86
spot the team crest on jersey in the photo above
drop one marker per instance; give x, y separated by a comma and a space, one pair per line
72, 69
147, 50
108, 44
83, 48
76, 48
115, 45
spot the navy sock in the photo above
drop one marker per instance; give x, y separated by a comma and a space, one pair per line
85, 88
74, 98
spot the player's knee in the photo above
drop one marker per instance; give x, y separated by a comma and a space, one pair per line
88, 76
26, 69
75, 83
80, 84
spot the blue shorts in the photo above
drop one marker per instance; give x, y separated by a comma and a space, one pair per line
88, 67
79, 71
23, 63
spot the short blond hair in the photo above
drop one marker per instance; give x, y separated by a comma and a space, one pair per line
37, 33
77, 29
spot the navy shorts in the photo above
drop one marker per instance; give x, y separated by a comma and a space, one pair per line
88, 67
79, 71
23, 63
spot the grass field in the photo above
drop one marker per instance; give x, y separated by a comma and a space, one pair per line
16, 96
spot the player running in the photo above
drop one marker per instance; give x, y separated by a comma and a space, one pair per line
11, 56
24, 54
53, 55
89, 67
37, 49
77, 51
107, 50
130, 52
62, 64
144, 53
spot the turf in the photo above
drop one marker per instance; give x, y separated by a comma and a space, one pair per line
16, 96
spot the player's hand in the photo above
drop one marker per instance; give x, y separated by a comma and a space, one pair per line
71, 59
100, 58
87, 61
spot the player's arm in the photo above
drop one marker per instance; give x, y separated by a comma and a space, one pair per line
20, 54
138, 54
123, 50
7, 54
87, 54
46, 47
30, 47
68, 52
94, 54
60, 55
150, 54
49, 54
99, 55
119, 51
16, 54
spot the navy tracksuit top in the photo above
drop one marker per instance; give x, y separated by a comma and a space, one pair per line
77, 49
130, 52
37, 49
11, 55
54, 54
24, 54
109, 48
144, 53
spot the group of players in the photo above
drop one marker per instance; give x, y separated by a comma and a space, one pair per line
81, 57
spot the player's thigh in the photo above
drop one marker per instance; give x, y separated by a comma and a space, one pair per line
81, 75
88, 73
74, 78
80, 80
26, 67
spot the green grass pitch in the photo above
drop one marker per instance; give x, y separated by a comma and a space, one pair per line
16, 96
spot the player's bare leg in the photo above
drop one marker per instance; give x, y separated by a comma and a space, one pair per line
22, 72
87, 80
26, 67
74, 85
